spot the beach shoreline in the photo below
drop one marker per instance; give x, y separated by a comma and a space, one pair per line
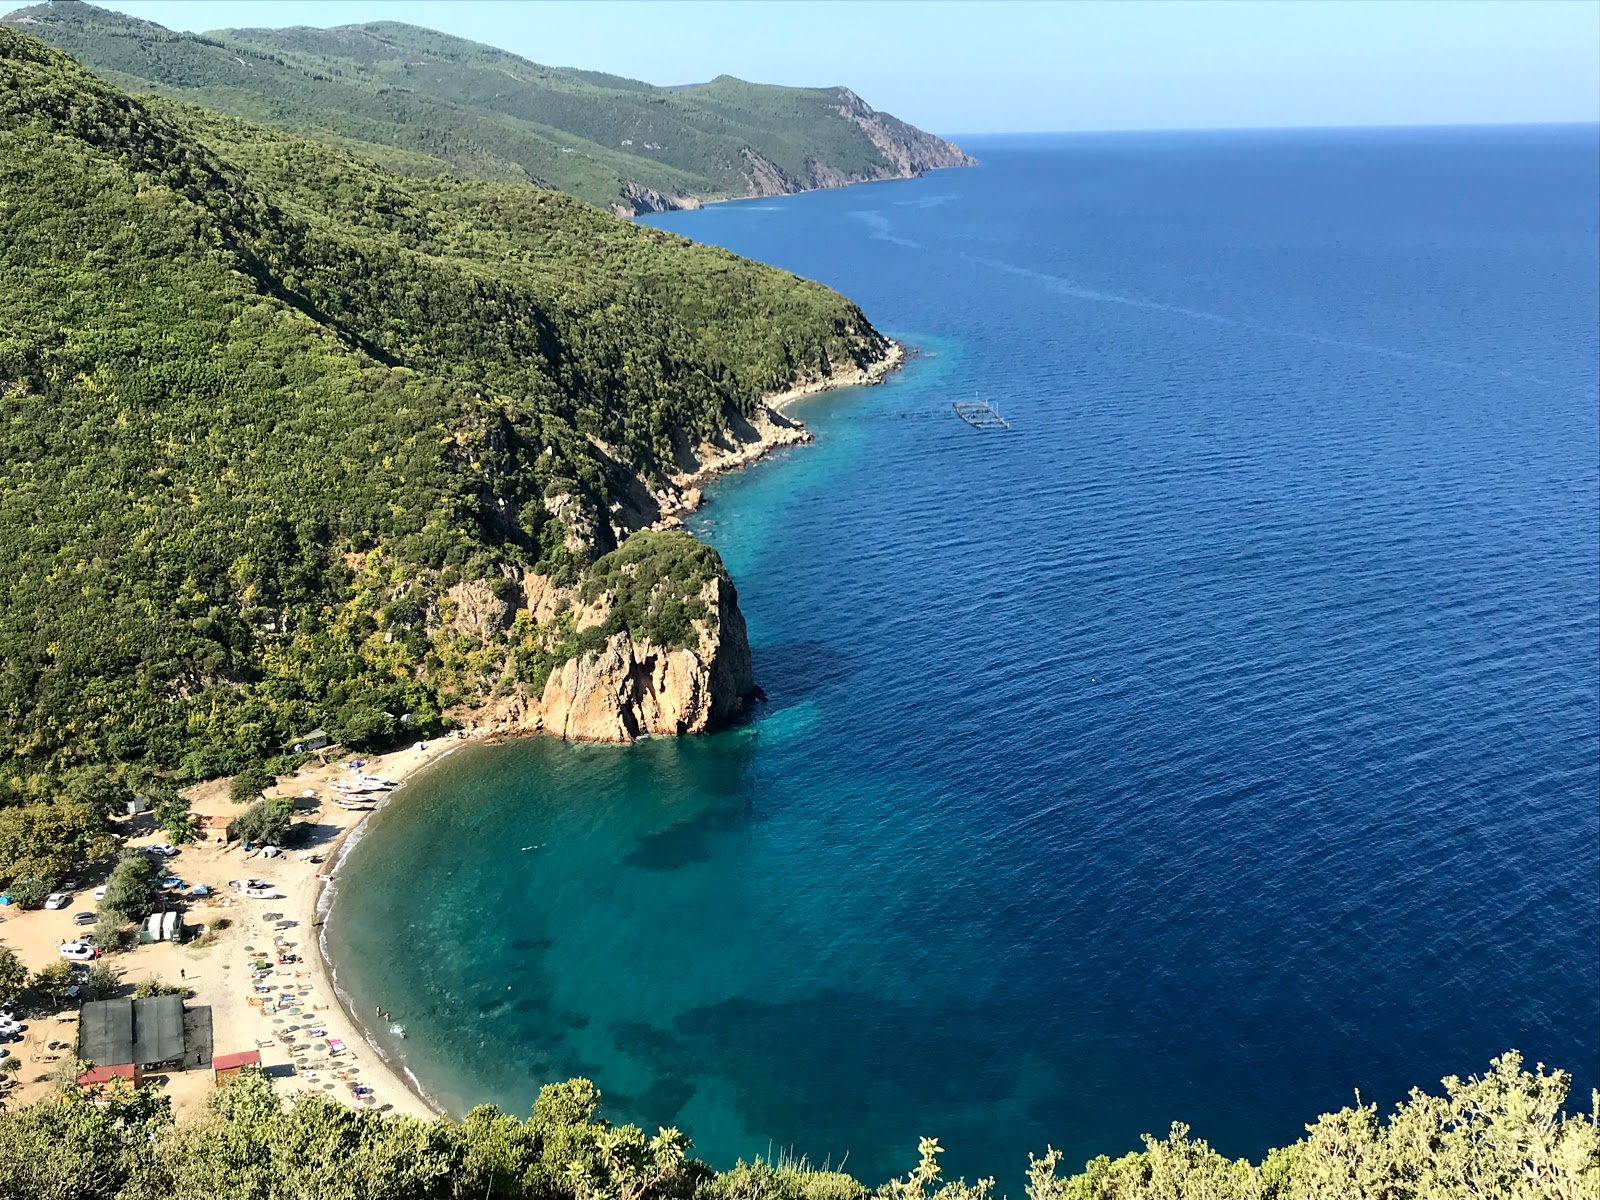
215, 969
322, 908
393, 1088
323, 902
309, 904
400, 1076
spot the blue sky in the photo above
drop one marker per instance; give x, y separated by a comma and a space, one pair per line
1015, 67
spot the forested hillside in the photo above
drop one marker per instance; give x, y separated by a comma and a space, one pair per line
267, 409
422, 102
1501, 1137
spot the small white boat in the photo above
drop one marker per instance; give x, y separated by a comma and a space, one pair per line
263, 893
361, 783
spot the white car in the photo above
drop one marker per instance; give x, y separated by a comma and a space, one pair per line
57, 900
77, 951
164, 849
100, 892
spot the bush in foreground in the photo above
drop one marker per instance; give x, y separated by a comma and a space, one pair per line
1500, 1137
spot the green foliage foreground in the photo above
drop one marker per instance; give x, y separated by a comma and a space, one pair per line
1500, 1137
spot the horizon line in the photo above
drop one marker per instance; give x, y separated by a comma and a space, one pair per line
1374, 125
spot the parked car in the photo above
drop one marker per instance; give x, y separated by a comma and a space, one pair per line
77, 951
57, 900
85, 918
100, 892
164, 849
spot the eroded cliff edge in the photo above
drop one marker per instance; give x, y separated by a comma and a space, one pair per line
895, 150
687, 674
648, 640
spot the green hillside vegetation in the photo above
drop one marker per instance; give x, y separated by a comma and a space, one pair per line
422, 102
264, 404
1501, 1137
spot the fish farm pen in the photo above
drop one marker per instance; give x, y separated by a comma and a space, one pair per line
980, 414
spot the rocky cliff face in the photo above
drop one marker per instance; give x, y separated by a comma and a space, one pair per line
638, 199
630, 688
905, 151
909, 149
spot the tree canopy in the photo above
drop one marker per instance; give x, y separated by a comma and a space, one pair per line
265, 404
266, 822
1503, 1136
130, 889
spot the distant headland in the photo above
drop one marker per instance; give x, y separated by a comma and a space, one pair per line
421, 102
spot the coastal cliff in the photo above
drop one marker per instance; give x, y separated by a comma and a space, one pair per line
899, 151
593, 661
629, 688
743, 440
425, 103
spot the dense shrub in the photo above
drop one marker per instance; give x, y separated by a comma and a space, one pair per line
1502, 1137
264, 823
30, 891
248, 784
130, 889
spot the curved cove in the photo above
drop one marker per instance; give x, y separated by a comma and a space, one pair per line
1218, 741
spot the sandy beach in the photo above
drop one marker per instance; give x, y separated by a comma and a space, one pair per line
239, 933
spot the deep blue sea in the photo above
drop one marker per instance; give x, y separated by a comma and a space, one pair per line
1221, 739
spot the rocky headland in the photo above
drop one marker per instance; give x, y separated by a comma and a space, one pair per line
619, 685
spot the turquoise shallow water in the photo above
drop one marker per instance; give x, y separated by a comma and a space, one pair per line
1218, 741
